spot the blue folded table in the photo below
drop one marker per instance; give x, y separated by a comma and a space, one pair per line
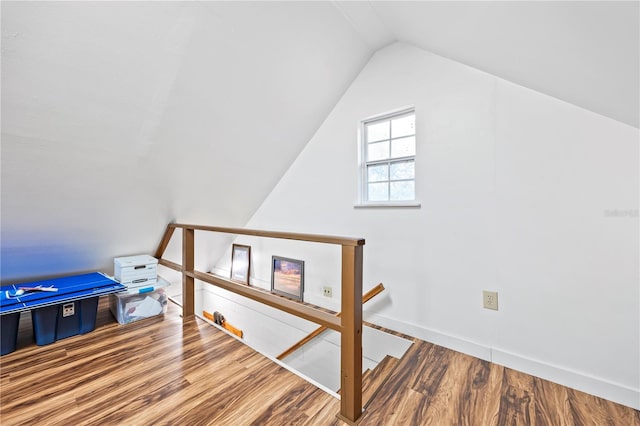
68, 310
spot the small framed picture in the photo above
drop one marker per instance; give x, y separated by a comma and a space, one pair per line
287, 277
240, 263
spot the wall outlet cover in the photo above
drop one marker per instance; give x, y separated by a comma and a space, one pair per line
490, 300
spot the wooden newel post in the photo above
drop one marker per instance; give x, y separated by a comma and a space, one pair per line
188, 281
351, 336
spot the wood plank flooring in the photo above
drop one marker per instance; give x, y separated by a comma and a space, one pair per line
161, 372
372, 380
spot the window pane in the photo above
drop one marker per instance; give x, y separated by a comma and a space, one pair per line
402, 191
378, 131
378, 151
378, 191
403, 147
377, 173
404, 126
402, 170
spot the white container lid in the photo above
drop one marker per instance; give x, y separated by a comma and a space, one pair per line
142, 259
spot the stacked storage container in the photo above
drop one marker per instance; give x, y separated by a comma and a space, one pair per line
146, 294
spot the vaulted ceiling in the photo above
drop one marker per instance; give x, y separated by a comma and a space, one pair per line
583, 52
118, 117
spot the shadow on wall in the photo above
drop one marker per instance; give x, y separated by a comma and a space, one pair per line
377, 304
20, 264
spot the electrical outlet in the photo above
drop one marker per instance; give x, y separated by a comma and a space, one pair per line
490, 300
327, 291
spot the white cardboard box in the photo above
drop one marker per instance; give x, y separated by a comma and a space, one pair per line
135, 269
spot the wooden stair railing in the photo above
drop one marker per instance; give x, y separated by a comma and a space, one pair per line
365, 298
349, 324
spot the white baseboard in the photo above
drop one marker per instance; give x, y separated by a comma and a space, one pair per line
433, 336
572, 379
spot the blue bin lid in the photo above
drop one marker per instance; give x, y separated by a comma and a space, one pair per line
70, 288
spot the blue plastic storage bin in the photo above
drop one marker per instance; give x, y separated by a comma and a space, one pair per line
9, 332
60, 307
51, 323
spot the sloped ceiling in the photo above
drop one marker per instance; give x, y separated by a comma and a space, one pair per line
118, 117
582, 52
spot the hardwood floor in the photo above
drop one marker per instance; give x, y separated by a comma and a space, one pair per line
434, 385
161, 372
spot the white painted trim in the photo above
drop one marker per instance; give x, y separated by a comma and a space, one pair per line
572, 379
363, 163
411, 204
592, 385
433, 336
390, 113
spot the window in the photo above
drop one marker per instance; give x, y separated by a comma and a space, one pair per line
389, 157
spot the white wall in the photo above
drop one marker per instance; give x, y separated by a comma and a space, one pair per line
521, 193
321, 266
119, 117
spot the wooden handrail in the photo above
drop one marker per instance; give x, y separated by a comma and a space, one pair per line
349, 324
309, 337
279, 302
170, 264
327, 239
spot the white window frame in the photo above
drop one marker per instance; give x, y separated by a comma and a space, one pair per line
363, 199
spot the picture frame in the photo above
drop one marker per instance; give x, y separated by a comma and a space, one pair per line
287, 277
240, 263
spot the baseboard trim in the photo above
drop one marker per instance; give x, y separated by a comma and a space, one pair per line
592, 385
433, 336
566, 377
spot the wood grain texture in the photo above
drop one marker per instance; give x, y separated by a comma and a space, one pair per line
293, 307
351, 334
316, 238
154, 371
350, 325
436, 386
160, 371
164, 242
188, 282
372, 380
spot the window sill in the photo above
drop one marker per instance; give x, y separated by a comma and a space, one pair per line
392, 204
